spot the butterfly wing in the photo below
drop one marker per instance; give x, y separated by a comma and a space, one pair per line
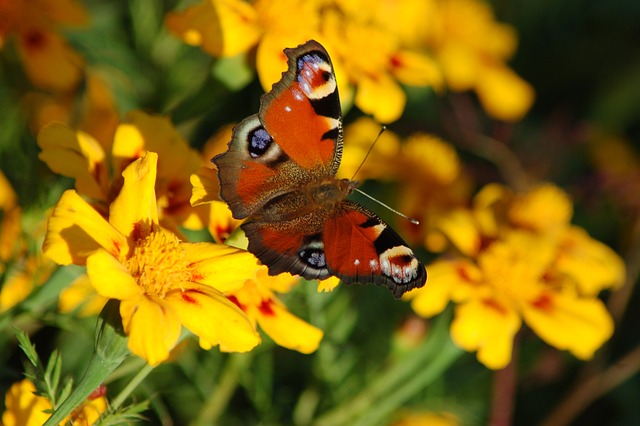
296, 137
302, 111
360, 248
349, 242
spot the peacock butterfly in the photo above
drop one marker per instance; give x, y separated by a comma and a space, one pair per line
279, 173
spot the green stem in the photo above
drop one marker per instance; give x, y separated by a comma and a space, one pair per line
218, 400
406, 377
109, 351
131, 386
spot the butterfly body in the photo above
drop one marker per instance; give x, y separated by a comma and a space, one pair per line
279, 173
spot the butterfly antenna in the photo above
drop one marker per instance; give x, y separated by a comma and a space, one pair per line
410, 219
369, 151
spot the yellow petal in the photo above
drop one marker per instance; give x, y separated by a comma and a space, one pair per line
592, 264
381, 97
153, 328
48, 60
328, 284
110, 278
205, 187
220, 266
416, 69
76, 155
444, 277
567, 322
23, 407
488, 327
286, 329
221, 27
460, 66
271, 61
135, 208
460, 227
82, 296
221, 222
545, 208
504, 94
75, 230
208, 314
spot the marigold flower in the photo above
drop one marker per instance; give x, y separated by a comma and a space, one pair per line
23, 407
49, 62
162, 283
471, 48
97, 173
523, 262
364, 54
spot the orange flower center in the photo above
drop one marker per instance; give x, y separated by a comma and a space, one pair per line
159, 264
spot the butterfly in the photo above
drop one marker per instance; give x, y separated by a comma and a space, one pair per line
279, 174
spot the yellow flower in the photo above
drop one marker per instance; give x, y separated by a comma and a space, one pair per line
49, 62
24, 408
428, 419
162, 283
10, 221
364, 53
471, 48
257, 299
215, 213
97, 173
430, 176
507, 284
522, 260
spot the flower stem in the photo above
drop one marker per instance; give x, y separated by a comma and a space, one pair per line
504, 392
131, 386
218, 400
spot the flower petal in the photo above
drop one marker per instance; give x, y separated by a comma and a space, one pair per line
220, 266
82, 296
592, 264
153, 328
135, 208
76, 155
416, 69
503, 93
286, 329
370, 91
111, 278
205, 187
48, 60
569, 323
75, 230
208, 314
488, 327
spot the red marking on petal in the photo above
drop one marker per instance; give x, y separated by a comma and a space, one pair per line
236, 302
187, 298
266, 309
99, 392
463, 274
490, 303
35, 40
544, 303
395, 61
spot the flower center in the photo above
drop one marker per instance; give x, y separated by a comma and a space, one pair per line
159, 264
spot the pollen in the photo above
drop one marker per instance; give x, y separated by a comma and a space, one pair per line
159, 264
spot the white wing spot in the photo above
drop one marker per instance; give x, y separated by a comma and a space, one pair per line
356, 262
287, 108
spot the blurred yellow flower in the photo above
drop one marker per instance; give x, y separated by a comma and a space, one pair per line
49, 62
366, 55
428, 419
522, 260
97, 172
162, 283
82, 297
430, 179
257, 299
24, 408
471, 49
21, 270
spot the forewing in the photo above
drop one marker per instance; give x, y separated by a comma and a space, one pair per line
302, 111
